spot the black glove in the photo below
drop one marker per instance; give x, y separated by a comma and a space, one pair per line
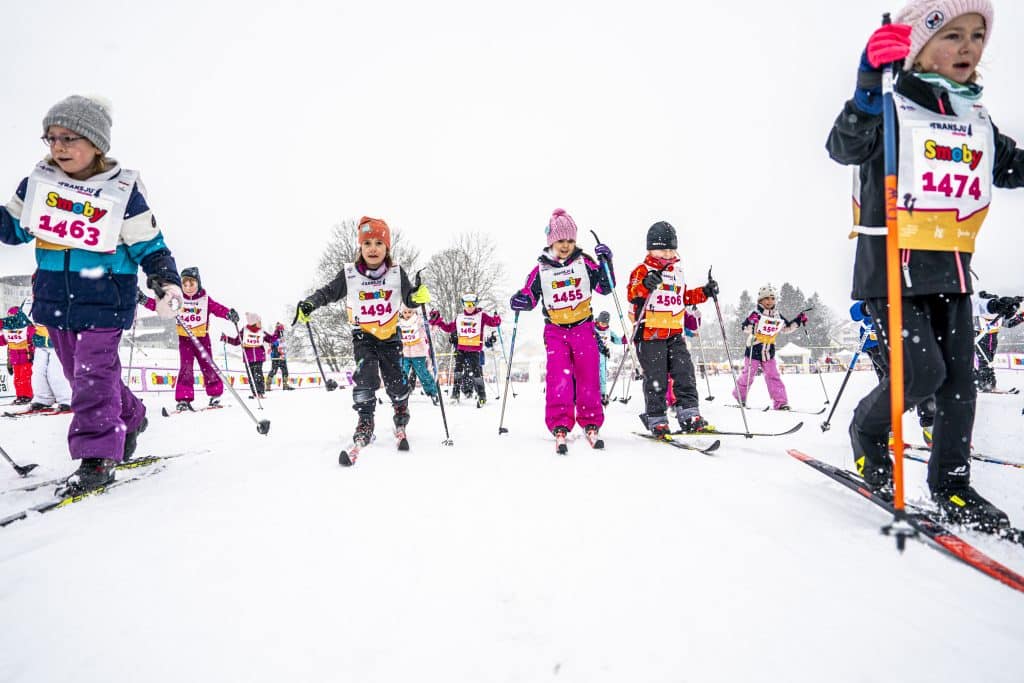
1005, 306
652, 280
711, 289
605, 351
140, 297
233, 316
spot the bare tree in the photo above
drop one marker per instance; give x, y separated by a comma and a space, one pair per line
470, 264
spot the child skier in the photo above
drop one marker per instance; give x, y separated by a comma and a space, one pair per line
196, 309
991, 313
659, 296
374, 289
252, 339
940, 43
278, 359
84, 284
764, 324
564, 281
605, 338
415, 350
50, 388
17, 336
469, 326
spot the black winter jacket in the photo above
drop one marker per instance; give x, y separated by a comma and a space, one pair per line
857, 139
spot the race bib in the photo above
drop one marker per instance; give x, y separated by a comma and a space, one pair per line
373, 303
252, 340
768, 328
945, 177
665, 307
470, 329
80, 214
195, 314
566, 292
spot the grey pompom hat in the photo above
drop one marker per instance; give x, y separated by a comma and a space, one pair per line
88, 117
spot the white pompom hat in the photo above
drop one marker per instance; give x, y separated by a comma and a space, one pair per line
926, 17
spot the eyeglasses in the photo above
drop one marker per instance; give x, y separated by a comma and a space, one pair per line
64, 140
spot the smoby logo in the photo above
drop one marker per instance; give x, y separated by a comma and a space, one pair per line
934, 20
666, 287
86, 209
372, 296
571, 282
963, 154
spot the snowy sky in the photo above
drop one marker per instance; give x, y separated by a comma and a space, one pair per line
259, 125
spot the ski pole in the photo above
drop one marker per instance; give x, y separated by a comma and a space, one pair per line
22, 470
503, 355
433, 360
262, 426
827, 401
508, 375
853, 363
704, 363
728, 355
248, 370
497, 369
131, 350
330, 384
899, 528
615, 298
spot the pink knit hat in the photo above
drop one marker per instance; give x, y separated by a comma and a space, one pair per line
253, 319
560, 227
926, 17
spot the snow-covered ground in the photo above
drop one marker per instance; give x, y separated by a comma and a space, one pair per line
494, 559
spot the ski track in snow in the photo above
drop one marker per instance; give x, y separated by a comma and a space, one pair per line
495, 559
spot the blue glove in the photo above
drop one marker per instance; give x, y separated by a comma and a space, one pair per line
603, 251
521, 301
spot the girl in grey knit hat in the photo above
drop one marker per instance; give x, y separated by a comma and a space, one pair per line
93, 229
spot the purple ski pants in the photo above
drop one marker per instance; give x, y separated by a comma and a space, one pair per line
105, 409
187, 355
573, 377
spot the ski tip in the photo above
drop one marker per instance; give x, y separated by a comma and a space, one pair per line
163, 411
799, 455
344, 460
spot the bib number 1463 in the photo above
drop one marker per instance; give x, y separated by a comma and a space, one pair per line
77, 230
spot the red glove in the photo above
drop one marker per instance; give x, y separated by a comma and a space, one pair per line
434, 315
888, 44
223, 337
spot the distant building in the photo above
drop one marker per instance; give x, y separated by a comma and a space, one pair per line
14, 289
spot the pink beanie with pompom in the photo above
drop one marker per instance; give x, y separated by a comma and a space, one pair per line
927, 17
560, 227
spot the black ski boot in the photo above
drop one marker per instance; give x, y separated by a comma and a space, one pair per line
131, 440
561, 434
871, 456
182, 406
961, 504
694, 424
92, 473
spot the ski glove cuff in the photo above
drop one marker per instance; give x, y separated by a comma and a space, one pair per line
421, 295
303, 310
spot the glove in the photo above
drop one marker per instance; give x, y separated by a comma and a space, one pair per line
168, 305
140, 297
223, 337
652, 280
603, 251
887, 44
521, 301
890, 43
233, 316
421, 295
801, 319
1005, 306
434, 315
605, 351
711, 289
752, 319
303, 310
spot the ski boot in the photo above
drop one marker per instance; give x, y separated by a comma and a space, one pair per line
596, 441
214, 402
561, 434
401, 419
961, 504
784, 406
183, 406
926, 434
37, 407
63, 407
871, 456
694, 425
21, 400
364, 430
131, 439
480, 402
604, 399
92, 474
286, 386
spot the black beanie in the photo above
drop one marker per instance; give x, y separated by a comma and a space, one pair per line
193, 273
661, 235
604, 317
